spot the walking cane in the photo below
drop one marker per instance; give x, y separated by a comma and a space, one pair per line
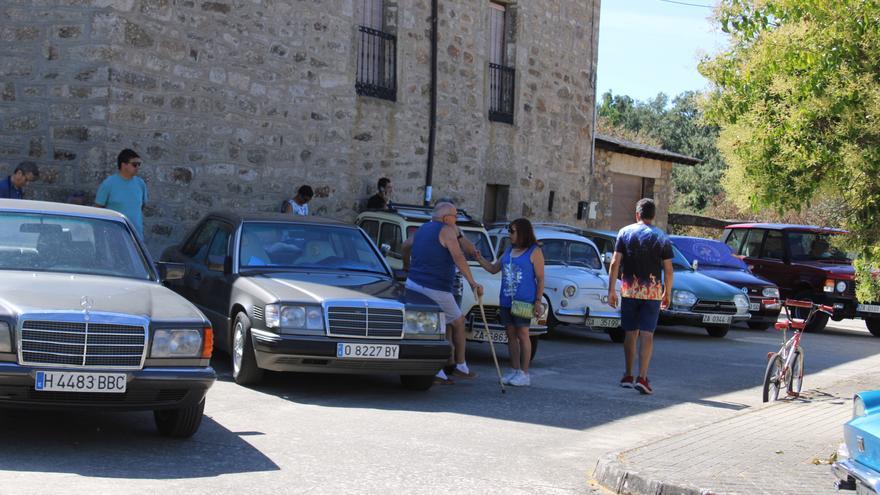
491, 345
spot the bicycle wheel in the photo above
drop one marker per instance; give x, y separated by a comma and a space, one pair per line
796, 376
773, 379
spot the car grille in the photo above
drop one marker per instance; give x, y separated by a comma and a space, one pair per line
367, 322
493, 315
715, 307
82, 344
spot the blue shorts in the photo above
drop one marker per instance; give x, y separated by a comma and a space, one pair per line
639, 314
507, 319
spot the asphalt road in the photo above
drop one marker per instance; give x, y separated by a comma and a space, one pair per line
302, 433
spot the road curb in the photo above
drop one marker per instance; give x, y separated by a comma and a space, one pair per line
612, 474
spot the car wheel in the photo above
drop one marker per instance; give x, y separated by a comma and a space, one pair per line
244, 362
717, 331
417, 382
618, 336
180, 423
534, 340
873, 325
757, 325
817, 324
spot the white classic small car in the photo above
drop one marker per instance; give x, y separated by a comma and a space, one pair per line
575, 280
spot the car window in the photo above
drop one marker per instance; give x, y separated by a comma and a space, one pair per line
565, 252
503, 245
64, 244
219, 245
735, 238
708, 252
390, 234
774, 249
583, 254
307, 247
751, 248
197, 245
481, 242
813, 246
371, 227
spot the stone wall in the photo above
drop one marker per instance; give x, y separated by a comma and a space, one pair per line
235, 103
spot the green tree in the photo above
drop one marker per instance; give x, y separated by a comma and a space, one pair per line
797, 97
676, 126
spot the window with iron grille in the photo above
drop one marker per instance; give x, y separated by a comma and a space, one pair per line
501, 77
377, 54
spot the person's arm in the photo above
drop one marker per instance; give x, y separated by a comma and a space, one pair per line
538, 263
448, 238
146, 195
668, 274
406, 251
102, 195
613, 272
287, 208
492, 268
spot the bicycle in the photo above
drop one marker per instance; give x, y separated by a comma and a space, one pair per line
785, 368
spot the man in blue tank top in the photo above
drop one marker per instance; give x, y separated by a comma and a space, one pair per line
430, 257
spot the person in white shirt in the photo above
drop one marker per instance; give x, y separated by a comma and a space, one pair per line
299, 205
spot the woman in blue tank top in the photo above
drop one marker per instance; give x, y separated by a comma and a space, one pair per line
522, 284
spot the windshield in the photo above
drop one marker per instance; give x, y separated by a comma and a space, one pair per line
64, 244
812, 246
307, 247
477, 237
708, 252
572, 253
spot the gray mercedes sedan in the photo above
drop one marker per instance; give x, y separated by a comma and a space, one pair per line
85, 322
307, 294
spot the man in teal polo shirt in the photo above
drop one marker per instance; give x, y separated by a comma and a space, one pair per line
125, 192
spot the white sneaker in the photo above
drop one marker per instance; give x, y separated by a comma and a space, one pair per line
509, 376
521, 379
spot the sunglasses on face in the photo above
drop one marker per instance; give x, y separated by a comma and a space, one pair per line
135, 164
511, 230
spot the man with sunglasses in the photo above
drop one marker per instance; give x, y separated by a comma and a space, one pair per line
124, 191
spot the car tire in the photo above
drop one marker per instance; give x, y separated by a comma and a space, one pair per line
817, 324
758, 325
717, 331
417, 382
534, 340
180, 423
617, 335
873, 325
244, 362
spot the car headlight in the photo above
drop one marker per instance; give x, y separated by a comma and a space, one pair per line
841, 286
684, 298
5, 337
858, 407
423, 322
300, 318
569, 291
176, 343
770, 292
272, 315
829, 285
742, 303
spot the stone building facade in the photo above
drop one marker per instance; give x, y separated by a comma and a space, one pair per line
235, 103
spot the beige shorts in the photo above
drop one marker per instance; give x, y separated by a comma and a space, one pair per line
445, 300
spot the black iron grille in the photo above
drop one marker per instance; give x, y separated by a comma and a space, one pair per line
377, 64
501, 100
365, 322
715, 307
82, 344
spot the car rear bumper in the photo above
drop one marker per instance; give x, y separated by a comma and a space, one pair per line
849, 471
318, 355
146, 389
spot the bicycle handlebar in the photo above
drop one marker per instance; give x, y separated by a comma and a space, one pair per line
793, 303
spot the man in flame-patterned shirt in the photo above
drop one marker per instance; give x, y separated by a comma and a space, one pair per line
643, 258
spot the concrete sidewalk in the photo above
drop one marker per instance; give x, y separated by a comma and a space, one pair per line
781, 448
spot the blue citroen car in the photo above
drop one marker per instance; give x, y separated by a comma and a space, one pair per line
859, 467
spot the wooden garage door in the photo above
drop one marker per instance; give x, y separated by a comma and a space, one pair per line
626, 192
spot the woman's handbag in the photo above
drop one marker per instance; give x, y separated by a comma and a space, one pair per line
522, 309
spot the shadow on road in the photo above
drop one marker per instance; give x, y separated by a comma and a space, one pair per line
121, 445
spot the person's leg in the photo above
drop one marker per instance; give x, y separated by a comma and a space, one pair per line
646, 349
629, 325
648, 315
458, 339
513, 347
629, 349
525, 348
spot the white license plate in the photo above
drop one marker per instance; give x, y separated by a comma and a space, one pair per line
754, 306
70, 381
723, 319
497, 337
869, 308
603, 322
348, 350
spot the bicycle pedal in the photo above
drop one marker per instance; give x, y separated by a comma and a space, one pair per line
794, 394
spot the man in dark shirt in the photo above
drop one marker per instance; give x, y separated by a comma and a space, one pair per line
24, 174
382, 199
641, 253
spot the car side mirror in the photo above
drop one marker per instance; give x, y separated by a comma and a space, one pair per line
400, 275
385, 249
606, 258
170, 271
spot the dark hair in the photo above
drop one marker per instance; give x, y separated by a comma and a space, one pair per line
28, 167
125, 156
305, 191
525, 234
646, 208
384, 181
